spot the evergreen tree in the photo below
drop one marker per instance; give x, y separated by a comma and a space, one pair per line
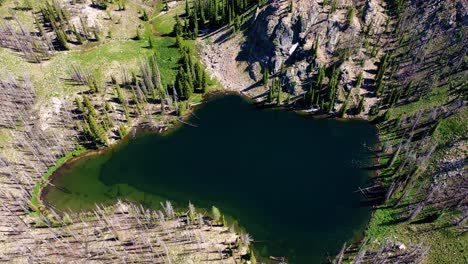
96, 36
332, 86
62, 39
120, 95
198, 77
344, 107
359, 80
361, 105
79, 39
98, 133
266, 76
79, 105
144, 17
178, 29
216, 214
379, 86
89, 106
253, 259
150, 42
270, 94
204, 82
187, 8
320, 77
279, 96
310, 96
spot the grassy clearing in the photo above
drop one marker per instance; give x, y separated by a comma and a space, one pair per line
435, 98
164, 23
452, 128
446, 244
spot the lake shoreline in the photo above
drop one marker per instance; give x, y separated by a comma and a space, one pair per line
231, 113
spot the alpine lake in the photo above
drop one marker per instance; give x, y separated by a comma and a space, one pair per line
288, 179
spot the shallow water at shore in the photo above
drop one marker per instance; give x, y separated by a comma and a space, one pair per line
288, 179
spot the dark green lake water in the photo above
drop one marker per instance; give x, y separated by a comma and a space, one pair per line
288, 179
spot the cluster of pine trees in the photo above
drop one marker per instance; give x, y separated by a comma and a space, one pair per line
58, 19
191, 78
323, 96
275, 91
93, 130
201, 14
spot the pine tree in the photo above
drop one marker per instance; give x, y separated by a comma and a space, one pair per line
150, 42
320, 77
84, 26
216, 214
344, 107
62, 39
122, 131
310, 96
237, 23
79, 39
187, 8
198, 76
120, 95
204, 82
253, 259
332, 86
361, 105
359, 80
96, 36
79, 105
97, 131
279, 96
145, 16
89, 106
266, 76
270, 94
178, 29
380, 74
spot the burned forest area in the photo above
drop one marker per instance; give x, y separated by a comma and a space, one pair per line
80, 77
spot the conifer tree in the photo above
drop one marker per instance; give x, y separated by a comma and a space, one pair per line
79, 39
144, 17
279, 96
379, 86
96, 36
150, 42
359, 80
361, 105
332, 86
79, 105
62, 39
89, 106
216, 214
253, 259
270, 94
266, 76
98, 133
320, 77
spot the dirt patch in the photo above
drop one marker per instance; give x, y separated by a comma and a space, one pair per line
221, 61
